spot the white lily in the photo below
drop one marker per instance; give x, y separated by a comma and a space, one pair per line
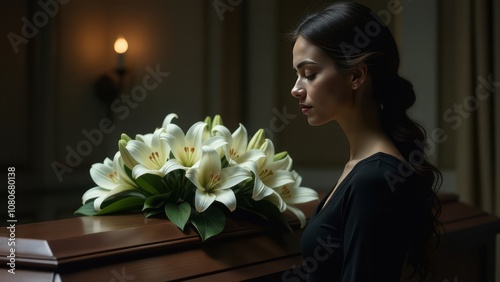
187, 148
236, 149
151, 154
130, 162
214, 183
270, 173
293, 194
110, 178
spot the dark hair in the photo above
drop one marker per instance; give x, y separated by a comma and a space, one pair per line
350, 34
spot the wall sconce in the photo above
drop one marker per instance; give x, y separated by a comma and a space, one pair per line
121, 46
107, 88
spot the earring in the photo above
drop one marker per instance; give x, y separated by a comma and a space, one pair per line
354, 86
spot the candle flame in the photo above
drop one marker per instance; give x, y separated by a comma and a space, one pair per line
121, 45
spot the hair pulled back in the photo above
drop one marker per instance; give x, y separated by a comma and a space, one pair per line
351, 34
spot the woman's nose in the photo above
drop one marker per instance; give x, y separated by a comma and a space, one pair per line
297, 91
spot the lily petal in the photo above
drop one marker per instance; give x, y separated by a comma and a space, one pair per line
210, 162
168, 119
227, 197
260, 190
176, 139
240, 139
202, 200
93, 193
215, 142
108, 162
171, 165
145, 138
251, 156
103, 175
278, 178
231, 176
221, 130
140, 170
119, 189
119, 166
141, 152
277, 200
302, 195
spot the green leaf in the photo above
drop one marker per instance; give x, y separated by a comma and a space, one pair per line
156, 201
86, 209
209, 223
153, 213
178, 213
150, 183
125, 204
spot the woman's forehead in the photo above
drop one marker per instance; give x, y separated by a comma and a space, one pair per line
305, 51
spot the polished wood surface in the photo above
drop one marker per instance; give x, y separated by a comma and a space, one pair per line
132, 248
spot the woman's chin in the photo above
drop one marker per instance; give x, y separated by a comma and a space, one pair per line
314, 122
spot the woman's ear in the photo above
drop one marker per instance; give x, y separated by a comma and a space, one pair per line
359, 74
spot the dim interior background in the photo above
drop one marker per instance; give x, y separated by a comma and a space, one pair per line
198, 58
211, 57
229, 57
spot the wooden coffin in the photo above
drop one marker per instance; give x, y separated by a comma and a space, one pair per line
132, 248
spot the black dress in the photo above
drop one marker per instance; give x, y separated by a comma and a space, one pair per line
364, 231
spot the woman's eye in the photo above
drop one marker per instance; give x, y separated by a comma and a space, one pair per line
310, 76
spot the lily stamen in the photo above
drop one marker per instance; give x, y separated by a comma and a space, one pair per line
213, 178
234, 154
285, 192
113, 176
265, 172
189, 153
155, 158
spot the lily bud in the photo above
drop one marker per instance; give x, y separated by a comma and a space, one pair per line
257, 140
211, 123
125, 137
280, 156
129, 161
217, 120
208, 121
207, 131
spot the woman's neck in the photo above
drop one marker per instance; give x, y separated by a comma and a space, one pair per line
365, 134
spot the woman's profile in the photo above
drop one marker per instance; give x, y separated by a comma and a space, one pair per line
379, 220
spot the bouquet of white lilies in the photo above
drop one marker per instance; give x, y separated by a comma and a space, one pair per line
197, 177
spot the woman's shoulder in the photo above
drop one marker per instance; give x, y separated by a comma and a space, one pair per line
381, 170
377, 165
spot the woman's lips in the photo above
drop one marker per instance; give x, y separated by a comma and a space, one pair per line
304, 108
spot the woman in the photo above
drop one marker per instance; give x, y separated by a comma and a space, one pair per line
380, 217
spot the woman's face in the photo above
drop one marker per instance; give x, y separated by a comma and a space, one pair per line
324, 93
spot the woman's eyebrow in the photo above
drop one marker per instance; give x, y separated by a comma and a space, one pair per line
305, 62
